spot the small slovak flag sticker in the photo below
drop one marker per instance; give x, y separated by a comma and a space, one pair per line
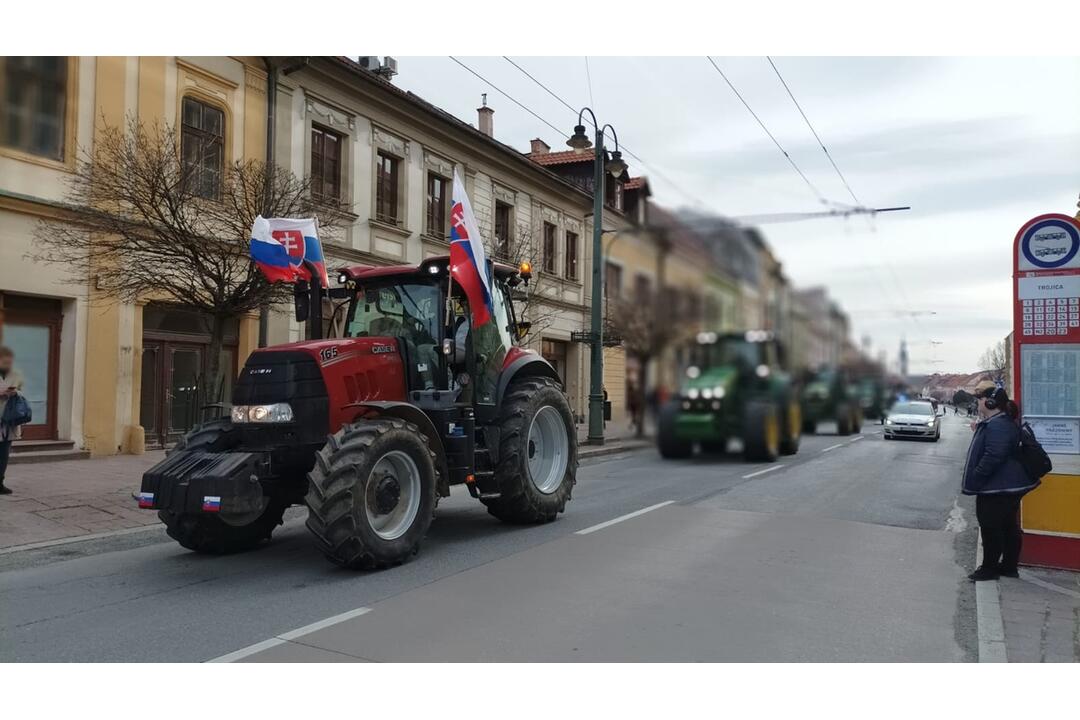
211, 503
146, 500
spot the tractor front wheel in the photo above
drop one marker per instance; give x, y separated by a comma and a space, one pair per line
844, 416
668, 442
761, 432
371, 494
538, 459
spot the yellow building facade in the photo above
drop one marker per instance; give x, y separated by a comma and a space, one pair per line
98, 370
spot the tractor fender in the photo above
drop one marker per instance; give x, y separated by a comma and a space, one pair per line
416, 416
524, 365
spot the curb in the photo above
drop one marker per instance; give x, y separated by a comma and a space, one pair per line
590, 451
988, 617
78, 538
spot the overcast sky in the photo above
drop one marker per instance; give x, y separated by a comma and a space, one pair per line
976, 146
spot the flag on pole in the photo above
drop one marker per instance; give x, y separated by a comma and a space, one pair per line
468, 263
279, 247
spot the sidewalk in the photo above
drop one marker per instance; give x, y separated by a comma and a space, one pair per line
56, 500
1041, 615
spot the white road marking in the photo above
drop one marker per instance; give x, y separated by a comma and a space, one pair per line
619, 519
290, 635
857, 437
777, 466
833, 447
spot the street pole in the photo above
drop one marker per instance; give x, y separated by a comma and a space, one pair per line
596, 366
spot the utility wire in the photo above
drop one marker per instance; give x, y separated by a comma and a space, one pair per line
820, 197
508, 97
812, 130
651, 168
588, 77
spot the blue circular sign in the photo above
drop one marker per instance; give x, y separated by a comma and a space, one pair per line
1050, 243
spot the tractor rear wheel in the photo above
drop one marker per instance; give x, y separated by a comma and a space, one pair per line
791, 431
671, 446
538, 459
857, 421
761, 432
220, 533
372, 494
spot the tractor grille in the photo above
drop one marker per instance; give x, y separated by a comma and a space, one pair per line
274, 376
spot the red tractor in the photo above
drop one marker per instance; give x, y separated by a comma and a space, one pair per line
371, 428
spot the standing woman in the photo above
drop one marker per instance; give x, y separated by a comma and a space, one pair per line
11, 383
994, 475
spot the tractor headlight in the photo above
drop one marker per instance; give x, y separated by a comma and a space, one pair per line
276, 413
707, 393
718, 392
692, 393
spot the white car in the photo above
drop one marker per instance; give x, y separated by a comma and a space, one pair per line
915, 418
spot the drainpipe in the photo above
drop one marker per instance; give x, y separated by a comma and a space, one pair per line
271, 108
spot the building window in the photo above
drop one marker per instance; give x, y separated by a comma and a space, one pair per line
549, 248
642, 288
325, 163
202, 147
613, 194
502, 230
437, 201
34, 98
571, 255
387, 178
612, 280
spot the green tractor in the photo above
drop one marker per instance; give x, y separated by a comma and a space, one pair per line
735, 387
874, 398
828, 394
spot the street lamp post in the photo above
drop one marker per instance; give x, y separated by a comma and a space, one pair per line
580, 143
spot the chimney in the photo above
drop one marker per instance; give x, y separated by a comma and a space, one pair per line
487, 125
539, 147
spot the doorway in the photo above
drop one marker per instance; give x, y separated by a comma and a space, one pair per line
175, 358
31, 328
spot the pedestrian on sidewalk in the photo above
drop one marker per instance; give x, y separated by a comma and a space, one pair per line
994, 475
11, 382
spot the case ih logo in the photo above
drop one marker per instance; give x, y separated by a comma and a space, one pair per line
380, 349
260, 371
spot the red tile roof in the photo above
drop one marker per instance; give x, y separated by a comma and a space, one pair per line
566, 157
634, 183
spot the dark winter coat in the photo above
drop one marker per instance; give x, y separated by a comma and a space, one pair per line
993, 466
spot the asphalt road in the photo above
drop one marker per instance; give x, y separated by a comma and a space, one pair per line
853, 549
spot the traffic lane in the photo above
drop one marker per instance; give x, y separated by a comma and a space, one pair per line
679, 583
907, 483
161, 602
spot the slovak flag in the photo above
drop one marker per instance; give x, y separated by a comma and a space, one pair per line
468, 264
279, 247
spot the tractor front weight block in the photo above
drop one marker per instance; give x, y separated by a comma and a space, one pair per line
197, 482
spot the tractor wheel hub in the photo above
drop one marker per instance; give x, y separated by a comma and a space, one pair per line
387, 494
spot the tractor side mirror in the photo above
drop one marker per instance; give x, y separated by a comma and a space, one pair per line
301, 301
522, 328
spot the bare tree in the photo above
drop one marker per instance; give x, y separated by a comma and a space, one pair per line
646, 331
529, 301
994, 360
149, 224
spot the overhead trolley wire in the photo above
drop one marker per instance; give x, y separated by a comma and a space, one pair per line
813, 131
813, 189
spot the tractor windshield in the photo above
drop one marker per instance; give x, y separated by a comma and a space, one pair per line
727, 352
408, 311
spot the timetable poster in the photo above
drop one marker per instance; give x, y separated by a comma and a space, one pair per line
1051, 378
